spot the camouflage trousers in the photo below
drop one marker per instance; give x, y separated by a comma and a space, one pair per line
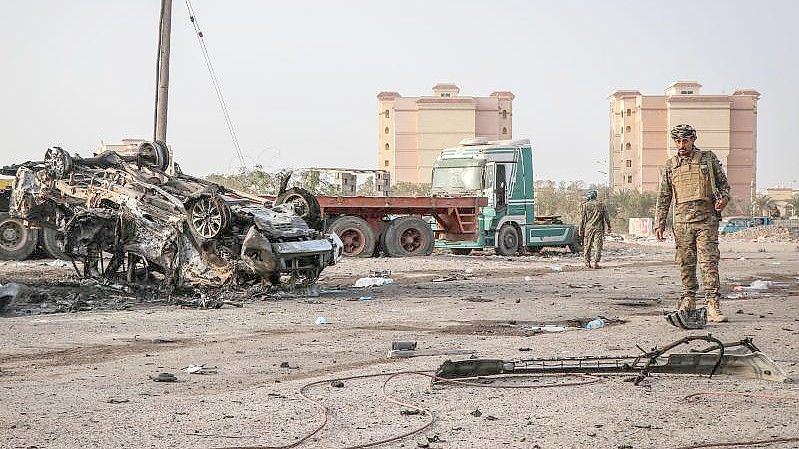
592, 243
698, 241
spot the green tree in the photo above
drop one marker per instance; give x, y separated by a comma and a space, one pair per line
410, 189
793, 202
367, 188
760, 203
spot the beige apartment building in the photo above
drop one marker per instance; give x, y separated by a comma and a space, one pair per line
640, 141
412, 131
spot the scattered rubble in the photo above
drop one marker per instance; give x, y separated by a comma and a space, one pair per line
767, 233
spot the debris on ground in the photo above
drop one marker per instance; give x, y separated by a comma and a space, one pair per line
321, 320
201, 369
372, 282
595, 324
757, 284
766, 233
164, 377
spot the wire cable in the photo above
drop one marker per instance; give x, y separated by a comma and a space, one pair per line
217, 86
325, 412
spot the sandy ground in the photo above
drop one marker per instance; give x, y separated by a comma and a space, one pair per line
82, 379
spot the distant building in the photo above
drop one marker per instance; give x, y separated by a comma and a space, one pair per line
640, 142
779, 197
412, 131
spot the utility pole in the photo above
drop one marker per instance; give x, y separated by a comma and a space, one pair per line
162, 72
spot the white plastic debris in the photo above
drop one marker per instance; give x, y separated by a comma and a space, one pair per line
757, 284
200, 369
760, 285
57, 263
372, 282
555, 268
321, 320
528, 278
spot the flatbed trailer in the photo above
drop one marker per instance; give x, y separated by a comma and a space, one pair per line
399, 226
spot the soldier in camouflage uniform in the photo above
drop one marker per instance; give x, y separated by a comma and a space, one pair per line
593, 221
694, 179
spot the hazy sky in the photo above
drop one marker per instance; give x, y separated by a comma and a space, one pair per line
301, 78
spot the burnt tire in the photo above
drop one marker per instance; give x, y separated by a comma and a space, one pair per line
408, 236
355, 233
305, 205
461, 251
17, 242
52, 242
508, 241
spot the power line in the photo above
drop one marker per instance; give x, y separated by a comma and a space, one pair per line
216, 84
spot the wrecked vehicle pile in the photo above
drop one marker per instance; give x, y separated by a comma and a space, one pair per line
137, 219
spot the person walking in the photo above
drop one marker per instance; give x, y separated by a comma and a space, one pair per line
694, 181
593, 223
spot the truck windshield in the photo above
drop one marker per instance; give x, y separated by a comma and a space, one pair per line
449, 179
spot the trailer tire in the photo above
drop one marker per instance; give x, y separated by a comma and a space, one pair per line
53, 243
461, 251
356, 235
408, 236
16, 241
508, 240
305, 204
576, 248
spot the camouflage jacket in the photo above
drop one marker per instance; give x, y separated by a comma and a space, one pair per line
593, 215
694, 210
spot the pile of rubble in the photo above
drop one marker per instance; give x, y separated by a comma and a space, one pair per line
768, 233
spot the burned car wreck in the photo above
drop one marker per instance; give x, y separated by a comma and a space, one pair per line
135, 218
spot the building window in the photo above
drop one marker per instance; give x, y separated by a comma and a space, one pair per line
621, 130
629, 179
504, 114
629, 111
628, 146
445, 94
386, 113
686, 92
629, 163
504, 130
386, 130
628, 128
379, 187
386, 147
621, 147
385, 163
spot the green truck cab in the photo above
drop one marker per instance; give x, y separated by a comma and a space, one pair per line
502, 171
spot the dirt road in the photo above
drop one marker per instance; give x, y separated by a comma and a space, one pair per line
82, 379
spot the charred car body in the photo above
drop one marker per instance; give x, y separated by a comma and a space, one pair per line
137, 218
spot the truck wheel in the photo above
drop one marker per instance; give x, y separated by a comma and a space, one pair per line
16, 241
408, 236
53, 243
461, 251
508, 242
356, 235
576, 248
305, 204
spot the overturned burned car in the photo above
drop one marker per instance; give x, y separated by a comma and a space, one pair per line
134, 217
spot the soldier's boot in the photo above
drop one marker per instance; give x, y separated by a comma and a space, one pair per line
714, 313
686, 303
596, 264
588, 264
